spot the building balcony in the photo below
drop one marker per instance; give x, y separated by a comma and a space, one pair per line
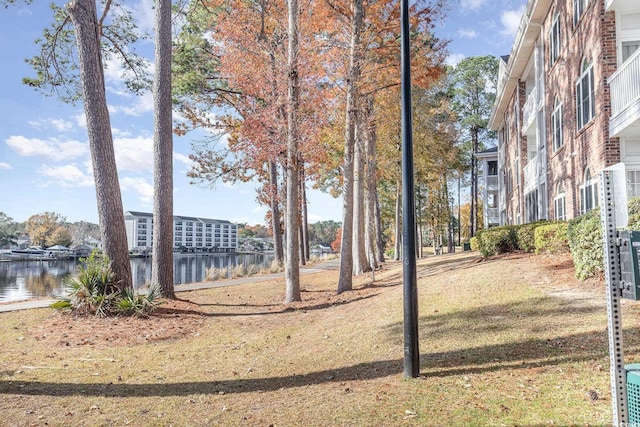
492, 182
492, 216
625, 98
529, 111
531, 174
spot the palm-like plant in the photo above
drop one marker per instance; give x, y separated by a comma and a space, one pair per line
91, 291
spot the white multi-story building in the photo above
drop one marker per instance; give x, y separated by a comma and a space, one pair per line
189, 233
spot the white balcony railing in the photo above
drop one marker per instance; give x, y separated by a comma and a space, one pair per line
492, 182
529, 110
531, 175
493, 216
624, 83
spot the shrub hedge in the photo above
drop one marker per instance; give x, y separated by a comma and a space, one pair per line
473, 242
585, 243
526, 237
551, 238
497, 240
581, 236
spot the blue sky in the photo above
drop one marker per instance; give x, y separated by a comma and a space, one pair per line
44, 156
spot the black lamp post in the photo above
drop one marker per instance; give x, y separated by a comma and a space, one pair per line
411, 352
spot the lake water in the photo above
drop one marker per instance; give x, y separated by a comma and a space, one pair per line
20, 280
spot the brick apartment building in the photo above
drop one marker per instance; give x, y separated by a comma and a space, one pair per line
567, 106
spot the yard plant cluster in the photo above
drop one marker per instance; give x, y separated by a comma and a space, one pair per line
582, 237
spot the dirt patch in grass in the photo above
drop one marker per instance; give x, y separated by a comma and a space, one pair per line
172, 319
175, 319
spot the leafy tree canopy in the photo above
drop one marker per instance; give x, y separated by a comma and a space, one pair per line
9, 229
56, 65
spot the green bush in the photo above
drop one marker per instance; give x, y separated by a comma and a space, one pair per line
473, 243
585, 242
95, 291
634, 213
551, 238
132, 304
497, 240
92, 291
525, 235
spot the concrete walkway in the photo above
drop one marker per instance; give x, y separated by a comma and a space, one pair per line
315, 268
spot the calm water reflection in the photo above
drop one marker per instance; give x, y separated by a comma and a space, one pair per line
21, 280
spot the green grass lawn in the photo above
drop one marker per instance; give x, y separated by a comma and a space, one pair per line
507, 341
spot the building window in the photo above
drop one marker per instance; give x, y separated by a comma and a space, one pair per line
508, 186
531, 206
559, 204
493, 168
633, 183
554, 40
578, 9
629, 48
588, 193
556, 125
585, 108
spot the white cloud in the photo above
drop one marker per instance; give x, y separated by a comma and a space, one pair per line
112, 74
67, 175
6, 166
454, 58
472, 4
144, 12
256, 216
81, 120
467, 33
58, 124
134, 154
141, 104
61, 125
138, 185
182, 158
118, 133
52, 148
510, 20
315, 218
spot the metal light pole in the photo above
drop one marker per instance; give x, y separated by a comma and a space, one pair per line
411, 352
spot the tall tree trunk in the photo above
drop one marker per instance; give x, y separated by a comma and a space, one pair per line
474, 183
109, 198
345, 280
360, 261
373, 174
371, 236
304, 223
459, 209
275, 213
398, 229
377, 220
450, 242
292, 266
162, 260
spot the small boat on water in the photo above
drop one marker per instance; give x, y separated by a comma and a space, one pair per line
38, 253
30, 251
